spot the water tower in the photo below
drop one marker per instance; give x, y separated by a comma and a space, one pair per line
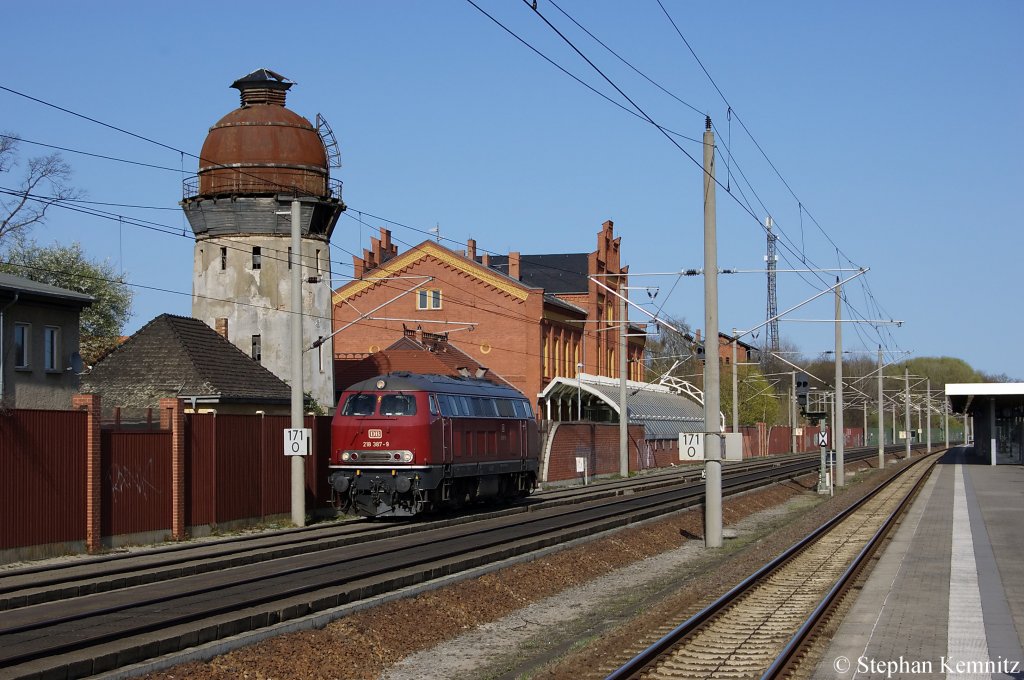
255, 161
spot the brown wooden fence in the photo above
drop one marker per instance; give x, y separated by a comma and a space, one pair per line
42, 473
234, 470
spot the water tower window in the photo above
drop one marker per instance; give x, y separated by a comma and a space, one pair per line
289, 257
223, 258
318, 261
257, 257
257, 348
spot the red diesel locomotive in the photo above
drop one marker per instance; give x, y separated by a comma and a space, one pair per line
404, 444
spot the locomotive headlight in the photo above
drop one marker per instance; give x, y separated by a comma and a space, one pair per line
406, 456
345, 455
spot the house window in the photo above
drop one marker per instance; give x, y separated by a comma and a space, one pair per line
22, 355
51, 348
257, 348
257, 257
428, 299
223, 258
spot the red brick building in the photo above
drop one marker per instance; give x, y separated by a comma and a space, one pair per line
527, 318
745, 353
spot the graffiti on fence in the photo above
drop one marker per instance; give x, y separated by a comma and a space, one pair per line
128, 479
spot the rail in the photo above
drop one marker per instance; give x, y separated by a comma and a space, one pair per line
655, 651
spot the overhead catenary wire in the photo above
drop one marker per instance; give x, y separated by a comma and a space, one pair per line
784, 240
181, 153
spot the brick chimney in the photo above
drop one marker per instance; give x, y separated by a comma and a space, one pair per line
381, 250
485, 260
471, 249
513, 265
221, 326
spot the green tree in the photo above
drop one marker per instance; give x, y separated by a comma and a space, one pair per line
759, 400
68, 267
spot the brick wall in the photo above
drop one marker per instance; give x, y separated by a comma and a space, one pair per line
598, 443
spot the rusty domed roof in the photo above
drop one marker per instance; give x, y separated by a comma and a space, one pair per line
263, 147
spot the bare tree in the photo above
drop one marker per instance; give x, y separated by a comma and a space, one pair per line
45, 181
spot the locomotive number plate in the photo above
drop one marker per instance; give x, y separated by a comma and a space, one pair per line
375, 434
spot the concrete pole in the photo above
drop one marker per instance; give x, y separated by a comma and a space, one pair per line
992, 430
894, 419
928, 415
792, 412
823, 485
298, 462
906, 409
881, 414
712, 398
864, 430
735, 388
623, 398
945, 423
840, 438
831, 405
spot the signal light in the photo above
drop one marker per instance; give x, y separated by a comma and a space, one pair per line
802, 388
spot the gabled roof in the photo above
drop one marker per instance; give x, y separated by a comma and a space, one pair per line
555, 273
435, 250
29, 289
176, 356
407, 354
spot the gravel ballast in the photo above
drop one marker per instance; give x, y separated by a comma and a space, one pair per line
570, 614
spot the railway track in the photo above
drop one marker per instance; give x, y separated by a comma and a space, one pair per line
758, 628
95, 617
78, 577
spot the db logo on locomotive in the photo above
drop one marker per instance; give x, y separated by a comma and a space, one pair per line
375, 434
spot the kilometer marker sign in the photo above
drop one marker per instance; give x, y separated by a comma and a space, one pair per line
691, 446
298, 441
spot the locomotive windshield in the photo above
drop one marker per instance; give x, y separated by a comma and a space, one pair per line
398, 405
390, 405
360, 405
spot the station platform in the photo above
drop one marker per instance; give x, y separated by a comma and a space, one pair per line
946, 598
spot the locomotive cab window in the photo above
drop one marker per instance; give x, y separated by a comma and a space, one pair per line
398, 405
360, 405
484, 407
506, 408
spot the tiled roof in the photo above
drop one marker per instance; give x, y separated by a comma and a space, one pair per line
555, 273
176, 356
559, 302
409, 355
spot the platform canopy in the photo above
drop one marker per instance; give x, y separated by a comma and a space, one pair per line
967, 398
663, 412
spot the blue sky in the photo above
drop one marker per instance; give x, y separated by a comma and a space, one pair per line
895, 128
